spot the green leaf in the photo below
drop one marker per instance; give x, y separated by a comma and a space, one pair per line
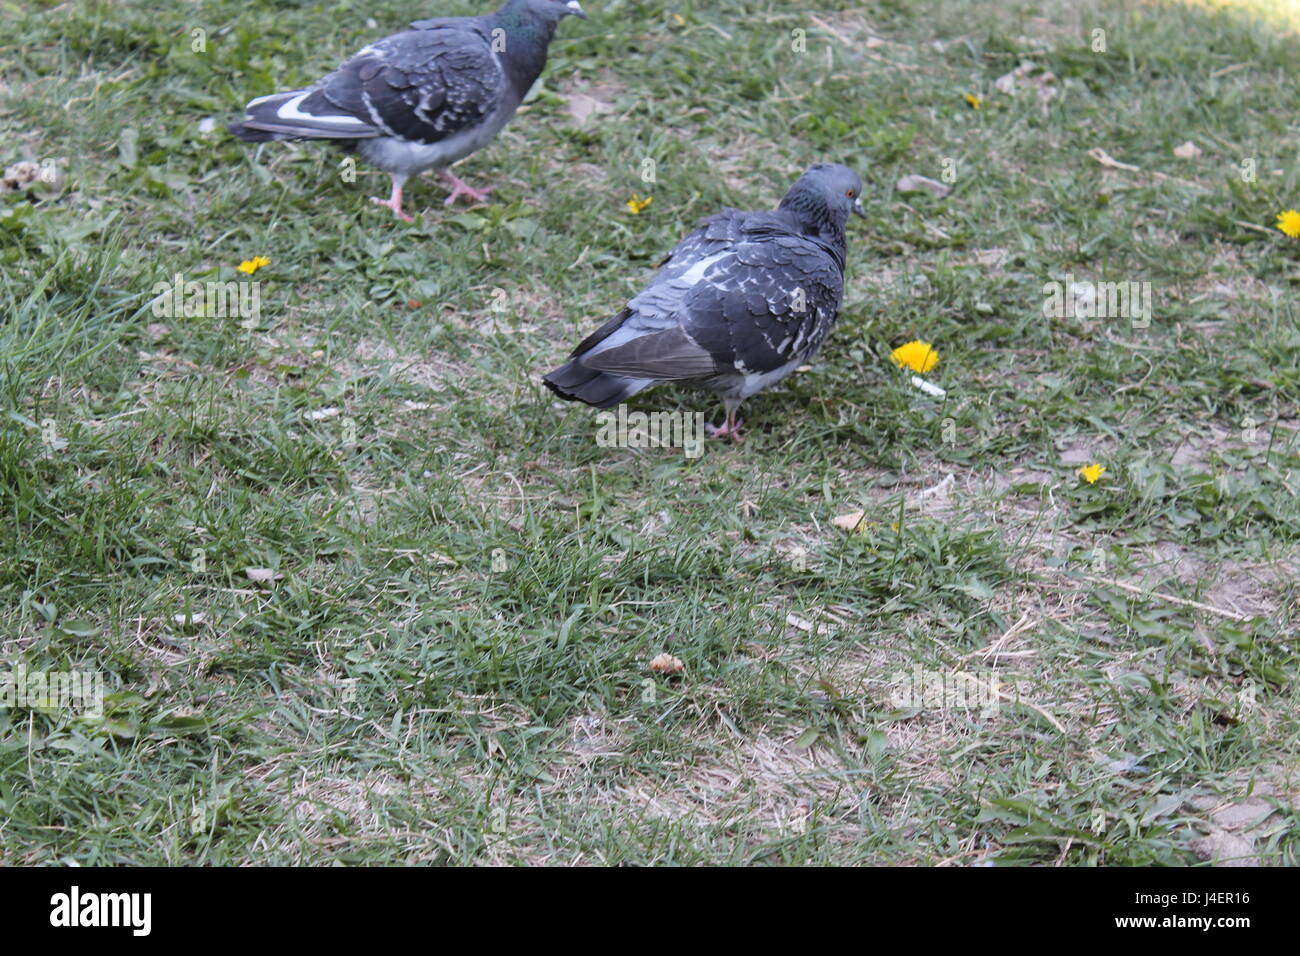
973, 587
77, 628
808, 738
128, 151
525, 229
469, 222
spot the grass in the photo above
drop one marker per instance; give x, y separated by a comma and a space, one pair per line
450, 664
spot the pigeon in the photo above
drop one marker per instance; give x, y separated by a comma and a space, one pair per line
421, 99
737, 306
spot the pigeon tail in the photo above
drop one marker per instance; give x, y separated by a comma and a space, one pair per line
575, 382
250, 135
298, 114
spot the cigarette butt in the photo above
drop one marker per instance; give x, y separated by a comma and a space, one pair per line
928, 387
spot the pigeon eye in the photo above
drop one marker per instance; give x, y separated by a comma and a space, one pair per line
850, 194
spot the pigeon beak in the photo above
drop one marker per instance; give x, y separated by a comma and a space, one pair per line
576, 9
858, 207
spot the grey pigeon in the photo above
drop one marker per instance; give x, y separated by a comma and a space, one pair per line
421, 99
741, 302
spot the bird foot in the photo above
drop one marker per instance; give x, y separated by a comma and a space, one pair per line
460, 188
730, 430
395, 204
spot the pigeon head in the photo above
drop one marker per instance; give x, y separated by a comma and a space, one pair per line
549, 11
824, 197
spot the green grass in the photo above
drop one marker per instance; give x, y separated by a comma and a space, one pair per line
392, 698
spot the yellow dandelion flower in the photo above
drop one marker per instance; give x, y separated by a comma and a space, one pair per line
679, 19
1289, 222
636, 204
918, 356
249, 266
973, 101
1092, 472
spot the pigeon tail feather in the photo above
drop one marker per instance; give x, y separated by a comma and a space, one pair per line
250, 135
298, 114
575, 382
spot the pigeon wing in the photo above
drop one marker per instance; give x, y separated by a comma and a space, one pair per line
753, 307
422, 85
665, 354
769, 303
